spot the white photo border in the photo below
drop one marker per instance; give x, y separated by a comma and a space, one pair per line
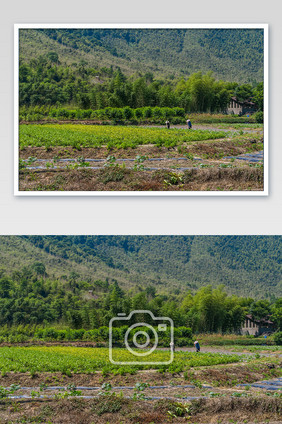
264, 192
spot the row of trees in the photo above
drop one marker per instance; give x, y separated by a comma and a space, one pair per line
45, 82
30, 297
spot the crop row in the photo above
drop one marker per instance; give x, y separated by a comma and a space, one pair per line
111, 136
87, 360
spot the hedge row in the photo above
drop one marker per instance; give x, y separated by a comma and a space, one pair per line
150, 114
182, 335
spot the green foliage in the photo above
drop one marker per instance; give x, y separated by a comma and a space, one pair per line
210, 310
278, 338
277, 313
85, 360
59, 92
223, 120
258, 96
4, 393
260, 309
111, 136
138, 389
138, 163
117, 115
173, 178
259, 117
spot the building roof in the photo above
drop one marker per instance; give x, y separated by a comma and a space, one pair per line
244, 103
260, 321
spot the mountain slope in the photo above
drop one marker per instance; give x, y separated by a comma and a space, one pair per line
247, 265
232, 54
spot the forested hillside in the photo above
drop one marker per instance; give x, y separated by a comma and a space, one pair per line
83, 281
246, 265
232, 54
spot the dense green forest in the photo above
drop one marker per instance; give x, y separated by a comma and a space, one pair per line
246, 265
44, 82
54, 71
231, 54
29, 297
53, 280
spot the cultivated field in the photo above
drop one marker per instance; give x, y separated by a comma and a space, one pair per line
86, 157
67, 384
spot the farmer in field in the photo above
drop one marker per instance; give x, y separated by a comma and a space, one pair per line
167, 124
197, 346
189, 125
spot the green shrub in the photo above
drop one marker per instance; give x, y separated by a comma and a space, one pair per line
139, 113
127, 112
50, 333
53, 113
78, 114
72, 114
62, 113
157, 113
177, 120
183, 332
86, 114
278, 338
182, 341
179, 112
259, 117
147, 112
167, 112
91, 335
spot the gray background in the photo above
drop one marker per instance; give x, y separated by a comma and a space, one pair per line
139, 215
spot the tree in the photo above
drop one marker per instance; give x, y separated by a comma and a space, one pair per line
151, 291
74, 318
39, 268
53, 57
244, 92
260, 309
140, 95
277, 313
166, 97
258, 96
5, 287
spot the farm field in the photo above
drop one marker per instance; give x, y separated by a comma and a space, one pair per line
84, 157
55, 384
84, 360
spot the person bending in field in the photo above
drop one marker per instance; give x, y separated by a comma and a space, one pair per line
197, 346
167, 124
189, 125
